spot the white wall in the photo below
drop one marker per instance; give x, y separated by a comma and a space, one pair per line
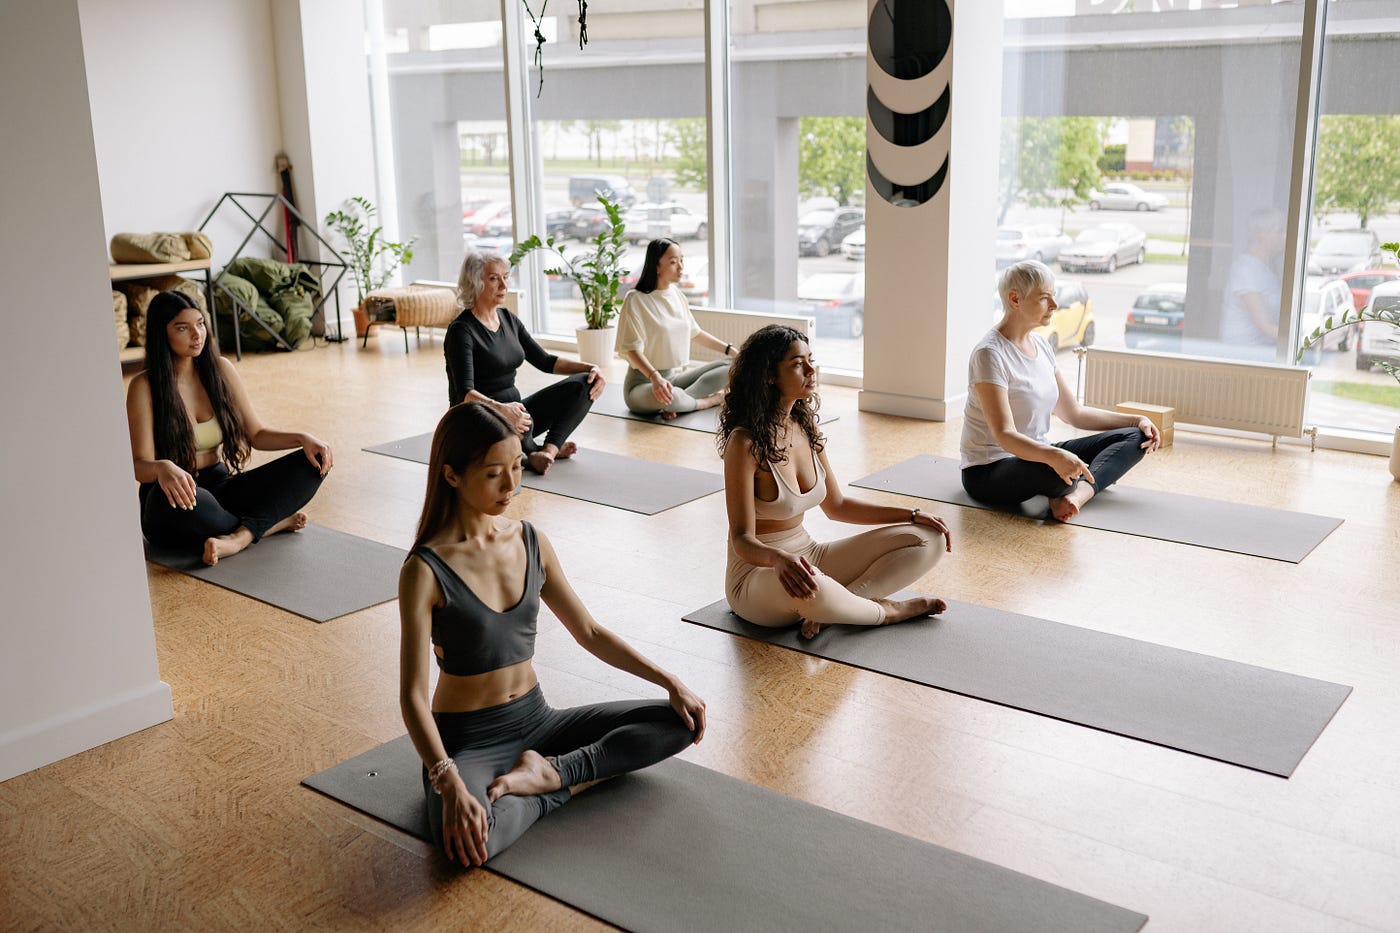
185, 106
77, 649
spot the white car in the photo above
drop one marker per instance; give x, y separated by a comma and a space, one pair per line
1041, 242
1380, 343
1122, 196
1324, 298
853, 246
1104, 248
649, 221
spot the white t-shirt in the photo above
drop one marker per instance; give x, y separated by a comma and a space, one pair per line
659, 324
1249, 273
1030, 386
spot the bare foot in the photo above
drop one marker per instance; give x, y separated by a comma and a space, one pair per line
226, 545
1068, 506
809, 628
567, 451
539, 461
668, 415
532, 774
294, 522
902, 610
710, 401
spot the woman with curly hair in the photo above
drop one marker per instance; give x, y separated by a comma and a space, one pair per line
192, 428
654, 333
775, 469
486, 344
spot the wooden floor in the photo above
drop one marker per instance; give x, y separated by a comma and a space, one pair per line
200, 823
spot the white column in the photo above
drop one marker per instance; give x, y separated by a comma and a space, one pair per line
77, 648
929, 266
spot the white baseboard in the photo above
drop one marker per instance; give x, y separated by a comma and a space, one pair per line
73, 731
911, 406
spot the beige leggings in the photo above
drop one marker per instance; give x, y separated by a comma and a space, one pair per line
852, 573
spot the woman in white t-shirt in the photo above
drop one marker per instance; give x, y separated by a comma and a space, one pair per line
654, 334
1013, 388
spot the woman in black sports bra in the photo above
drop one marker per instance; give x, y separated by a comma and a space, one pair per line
496, 757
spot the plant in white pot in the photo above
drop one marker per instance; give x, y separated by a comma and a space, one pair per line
1381, 318
598, 274
373, 259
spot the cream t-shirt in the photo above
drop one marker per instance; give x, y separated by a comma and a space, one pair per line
659, 324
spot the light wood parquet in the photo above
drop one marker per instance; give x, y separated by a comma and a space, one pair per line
200, 823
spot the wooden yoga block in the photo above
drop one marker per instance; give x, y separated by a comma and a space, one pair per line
1160, 415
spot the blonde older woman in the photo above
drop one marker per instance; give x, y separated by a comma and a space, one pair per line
485, 346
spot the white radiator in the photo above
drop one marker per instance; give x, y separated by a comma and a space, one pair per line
736, 326
1263, 397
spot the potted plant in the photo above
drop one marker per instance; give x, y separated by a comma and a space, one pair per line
1380, 310
373, 259
598, 275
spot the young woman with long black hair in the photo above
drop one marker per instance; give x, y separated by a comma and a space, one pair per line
496, 757
192, 429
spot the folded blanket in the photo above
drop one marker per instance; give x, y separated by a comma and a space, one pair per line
119, 312
138, 248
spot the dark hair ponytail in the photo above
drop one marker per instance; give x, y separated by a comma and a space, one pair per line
646, 282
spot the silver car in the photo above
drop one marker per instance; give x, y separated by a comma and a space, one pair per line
1344, 251
1104, 248
1122, 196
1029, 241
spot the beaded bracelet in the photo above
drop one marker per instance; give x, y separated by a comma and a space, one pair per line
438, 771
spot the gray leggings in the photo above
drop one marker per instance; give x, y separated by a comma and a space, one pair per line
586, 743
687, 385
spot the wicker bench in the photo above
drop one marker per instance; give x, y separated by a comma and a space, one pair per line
406, 306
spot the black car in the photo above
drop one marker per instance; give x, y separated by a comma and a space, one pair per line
558, 223
588, 222
821, 231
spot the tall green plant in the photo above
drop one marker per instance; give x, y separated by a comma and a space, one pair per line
1389, 313
597, 273
373, 259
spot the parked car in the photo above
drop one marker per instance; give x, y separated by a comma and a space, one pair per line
1104, 248
584, 189
1323, 298
476, 224
1362, 282
494, 245
837, 301
649, 221
1029, 241
1380, 343
695, 280
472, 205
818, 231
853, 246
500, 225
1344, 251
588, 222
1158, 318
558, 223
1122, 196
1073, 321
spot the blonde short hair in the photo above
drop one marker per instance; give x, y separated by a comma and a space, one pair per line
1023, 276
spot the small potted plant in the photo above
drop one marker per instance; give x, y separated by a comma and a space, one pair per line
598, 275
373, 259
1379, 311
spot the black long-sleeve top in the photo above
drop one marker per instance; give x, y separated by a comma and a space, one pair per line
485, 361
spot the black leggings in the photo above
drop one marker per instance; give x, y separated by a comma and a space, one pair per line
1011, 480
556, 409
585, 743
256, 499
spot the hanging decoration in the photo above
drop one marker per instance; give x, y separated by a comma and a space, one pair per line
539, 34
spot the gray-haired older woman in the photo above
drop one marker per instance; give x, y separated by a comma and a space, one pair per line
1014, 387
485, 346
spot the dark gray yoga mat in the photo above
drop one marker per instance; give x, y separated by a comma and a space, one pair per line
595, 476
1236, 713
680, 847
317, 573
610, 403
1149, 513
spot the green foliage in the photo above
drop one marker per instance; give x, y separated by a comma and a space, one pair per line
1389, 314
1114, 158
1049, 161
597, 273
373, 259
831, 157
687, 137
1358, 164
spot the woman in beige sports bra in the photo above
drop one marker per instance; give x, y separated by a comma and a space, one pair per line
192, 428
775, 469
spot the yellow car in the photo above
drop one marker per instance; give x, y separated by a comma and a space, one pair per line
1073, 321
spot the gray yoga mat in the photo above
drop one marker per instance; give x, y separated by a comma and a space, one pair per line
317, 573
1149, 513
595, 476
610, 403
680, 847
1237, 713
